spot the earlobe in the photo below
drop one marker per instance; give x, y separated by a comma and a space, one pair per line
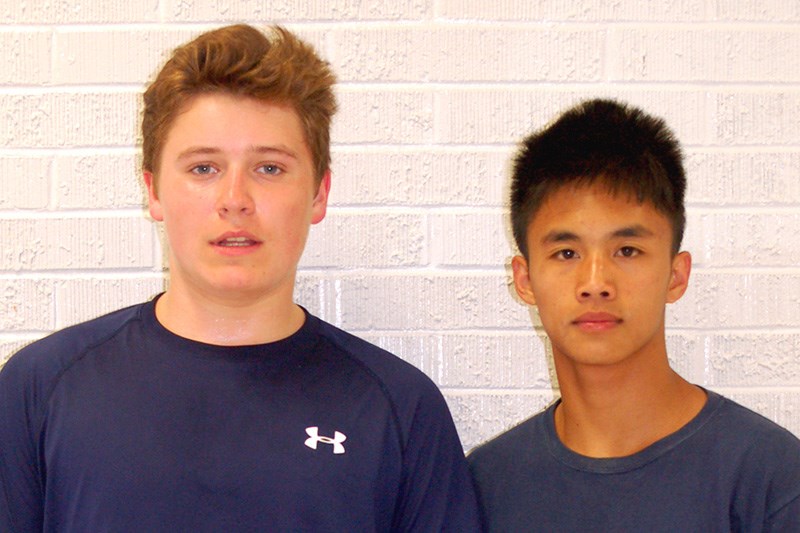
153, 202
320, 204
679, 279
522, 280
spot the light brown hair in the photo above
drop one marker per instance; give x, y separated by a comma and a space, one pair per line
240, 60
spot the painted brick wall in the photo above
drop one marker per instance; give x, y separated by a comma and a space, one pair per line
434, 95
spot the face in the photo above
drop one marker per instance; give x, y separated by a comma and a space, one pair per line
236, 192
601, 270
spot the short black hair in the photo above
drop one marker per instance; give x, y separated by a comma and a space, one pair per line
602, 141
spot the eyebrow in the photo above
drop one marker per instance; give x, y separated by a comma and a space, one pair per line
637, 230
211, 150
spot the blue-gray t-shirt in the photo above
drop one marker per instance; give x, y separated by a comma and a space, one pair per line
729, 469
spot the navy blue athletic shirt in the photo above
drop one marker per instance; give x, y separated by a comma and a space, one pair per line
118, 425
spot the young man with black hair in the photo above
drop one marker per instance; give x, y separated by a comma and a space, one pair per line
597, 209
221, 405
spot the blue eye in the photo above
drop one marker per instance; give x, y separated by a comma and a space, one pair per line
202, 170
273, 170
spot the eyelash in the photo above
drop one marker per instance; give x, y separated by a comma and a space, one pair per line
270, 169
625, 251
196, 169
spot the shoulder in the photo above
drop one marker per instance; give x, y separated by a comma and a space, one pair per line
46, 358
509, 448
733, 422
764, 456
415, 399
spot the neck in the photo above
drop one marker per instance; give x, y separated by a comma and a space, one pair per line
228, 321
618, 410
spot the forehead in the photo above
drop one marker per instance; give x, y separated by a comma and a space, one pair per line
594, 211
230, 122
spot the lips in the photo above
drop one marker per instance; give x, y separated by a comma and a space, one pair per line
236, 240
596, 321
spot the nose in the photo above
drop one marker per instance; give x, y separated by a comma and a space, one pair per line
594, 279
234, 194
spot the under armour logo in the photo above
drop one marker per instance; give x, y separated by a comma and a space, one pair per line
314, 439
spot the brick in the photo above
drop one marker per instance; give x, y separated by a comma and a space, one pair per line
471, 239
366, 239
26, 305
686, 355
782, 406
395, 116
479, 416
756, 10
60, 120
443, 302
769, 116
574, 10
753, 359
743, 178
295, 10
745, 238
318, 295
25, 182
78, 300
108, 181
79, 11
26, 58
435, 53
419, 177
76, 243
423, 350
707, 55
489, 115
113, 56
720, 300
472, 360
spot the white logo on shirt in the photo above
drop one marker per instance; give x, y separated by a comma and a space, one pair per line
314, 439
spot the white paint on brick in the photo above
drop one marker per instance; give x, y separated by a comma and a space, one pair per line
26, 58
83, 299
109, 181
84, 243
374, 239
419, 177
78, 11
255, 11
436, 53
574, 10
24, 182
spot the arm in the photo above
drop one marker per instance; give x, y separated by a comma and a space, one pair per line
21, 497
437, 492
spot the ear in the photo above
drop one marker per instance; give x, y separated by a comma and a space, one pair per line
152, 197
679, 279
320, 204
522, 279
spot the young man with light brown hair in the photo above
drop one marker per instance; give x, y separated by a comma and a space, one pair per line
221, 405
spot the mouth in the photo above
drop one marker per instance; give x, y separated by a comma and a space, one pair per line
597, 321
236, 240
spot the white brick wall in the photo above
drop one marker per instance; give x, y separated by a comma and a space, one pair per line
434, 95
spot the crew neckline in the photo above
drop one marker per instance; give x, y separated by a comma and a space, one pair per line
301, 341
616, 465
